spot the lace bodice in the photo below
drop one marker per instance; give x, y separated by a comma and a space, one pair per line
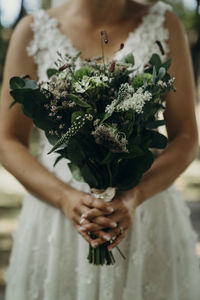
48, 39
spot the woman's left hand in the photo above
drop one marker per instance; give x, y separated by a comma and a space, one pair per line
124, 205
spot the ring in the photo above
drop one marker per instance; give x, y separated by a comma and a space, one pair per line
121, 230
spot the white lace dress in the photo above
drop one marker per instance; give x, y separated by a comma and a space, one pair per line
48, 260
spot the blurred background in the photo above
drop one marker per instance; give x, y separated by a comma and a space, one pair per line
12, 193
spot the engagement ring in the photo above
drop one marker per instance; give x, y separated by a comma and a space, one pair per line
121, 230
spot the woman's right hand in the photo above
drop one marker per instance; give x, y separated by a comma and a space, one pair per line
77, 203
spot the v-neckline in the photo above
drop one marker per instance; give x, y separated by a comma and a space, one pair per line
117, 53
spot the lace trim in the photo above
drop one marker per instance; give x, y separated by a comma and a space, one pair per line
45, 32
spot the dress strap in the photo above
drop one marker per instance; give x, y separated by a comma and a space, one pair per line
155, 25
42, 27
142, 41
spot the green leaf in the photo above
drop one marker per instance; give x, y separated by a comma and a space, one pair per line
155, 124
75, 152
156, 61
76, 172
128, 59
79, 101
130, 171
89, 176
30, 84
107, 159
16, 83
76, 114
42, 122
154, 74
51, 72
84, 71
167, 64
57, 160
158, 140
161, 73
105, 117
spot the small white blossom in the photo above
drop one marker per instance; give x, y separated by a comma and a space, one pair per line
82, 86
99, 80
162, 84
171, 81
136, 102
111, 107
63, 75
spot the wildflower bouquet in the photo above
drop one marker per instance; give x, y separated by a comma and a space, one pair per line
102, 117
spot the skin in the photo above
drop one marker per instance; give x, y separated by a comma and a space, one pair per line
85, 18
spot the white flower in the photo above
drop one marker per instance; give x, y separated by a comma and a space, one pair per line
135, 102
83, 85
63, 75
111, 107
99, 80
162, 84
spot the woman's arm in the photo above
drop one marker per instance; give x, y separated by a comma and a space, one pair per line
179, 115
15, 129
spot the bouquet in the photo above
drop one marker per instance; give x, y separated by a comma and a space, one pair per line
102, 117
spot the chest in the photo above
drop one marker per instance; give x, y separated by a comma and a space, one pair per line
50, 37
87, 39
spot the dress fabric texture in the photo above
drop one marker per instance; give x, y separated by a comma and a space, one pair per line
49, 258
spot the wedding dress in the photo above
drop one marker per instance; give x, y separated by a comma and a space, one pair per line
49, 257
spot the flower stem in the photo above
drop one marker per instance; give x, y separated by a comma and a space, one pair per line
102, 50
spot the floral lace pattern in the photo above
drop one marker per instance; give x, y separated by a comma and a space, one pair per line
48, 258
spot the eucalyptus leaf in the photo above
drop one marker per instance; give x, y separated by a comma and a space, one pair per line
83, 71
161, 73
16, 83
167, 64
154, 74
51, 72
156, 61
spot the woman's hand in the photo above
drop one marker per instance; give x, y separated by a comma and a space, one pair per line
76, 203
124, 205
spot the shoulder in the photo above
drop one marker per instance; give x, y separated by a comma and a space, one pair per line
22, 33
173, 23
177, 33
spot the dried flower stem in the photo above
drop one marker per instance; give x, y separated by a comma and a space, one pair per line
102, 47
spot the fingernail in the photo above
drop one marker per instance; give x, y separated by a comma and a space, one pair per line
110, 209
94, 244
106, 237
83, 228
114, 224
82, 221
84, 215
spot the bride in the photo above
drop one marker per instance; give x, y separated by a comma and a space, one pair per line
151, 221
